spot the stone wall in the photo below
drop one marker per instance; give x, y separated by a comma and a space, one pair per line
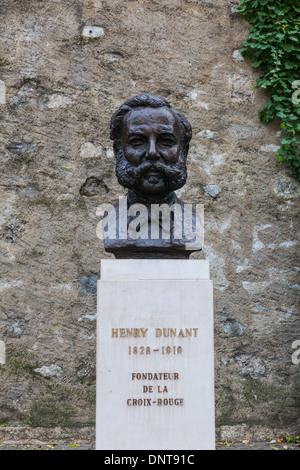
65, 66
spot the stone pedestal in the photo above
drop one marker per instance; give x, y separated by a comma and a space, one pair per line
155, 356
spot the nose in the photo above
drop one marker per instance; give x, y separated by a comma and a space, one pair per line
152, 153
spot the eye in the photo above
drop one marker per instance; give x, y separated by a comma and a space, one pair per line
136, 142
167, 142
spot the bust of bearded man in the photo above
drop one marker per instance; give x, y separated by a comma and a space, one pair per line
151, 143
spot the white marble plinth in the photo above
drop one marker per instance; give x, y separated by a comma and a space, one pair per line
155, 356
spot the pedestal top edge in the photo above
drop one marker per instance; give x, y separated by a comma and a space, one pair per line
154, 269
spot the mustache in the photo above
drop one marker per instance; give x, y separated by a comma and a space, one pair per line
129, 175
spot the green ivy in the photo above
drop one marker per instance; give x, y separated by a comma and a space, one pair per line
274, 46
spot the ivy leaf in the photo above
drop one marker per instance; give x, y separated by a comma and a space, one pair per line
288, 47
256, 63
278, 98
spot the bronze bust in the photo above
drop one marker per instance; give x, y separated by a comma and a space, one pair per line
151, 143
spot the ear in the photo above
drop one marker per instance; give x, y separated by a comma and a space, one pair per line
116, 148
185, 152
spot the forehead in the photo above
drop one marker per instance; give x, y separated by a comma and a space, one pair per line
145, 119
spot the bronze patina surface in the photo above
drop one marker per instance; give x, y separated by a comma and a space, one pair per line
151, 143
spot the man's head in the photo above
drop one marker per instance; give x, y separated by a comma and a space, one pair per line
151, 142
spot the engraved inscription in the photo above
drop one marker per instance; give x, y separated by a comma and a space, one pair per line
159, 332
129, 332
159, 392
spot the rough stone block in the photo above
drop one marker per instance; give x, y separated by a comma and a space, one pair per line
92, 32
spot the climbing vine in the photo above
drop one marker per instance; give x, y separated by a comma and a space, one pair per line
274, 46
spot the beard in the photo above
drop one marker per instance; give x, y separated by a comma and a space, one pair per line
129, 176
